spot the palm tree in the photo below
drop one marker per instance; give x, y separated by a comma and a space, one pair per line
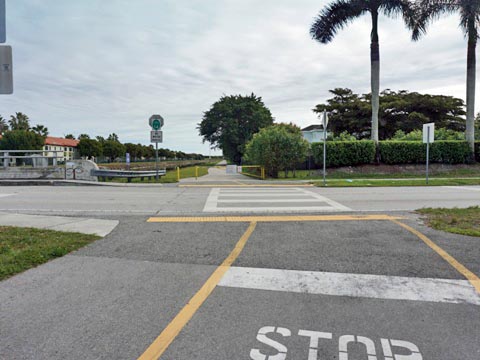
3, 125
469, 10
40, 130
338, 14
19, 122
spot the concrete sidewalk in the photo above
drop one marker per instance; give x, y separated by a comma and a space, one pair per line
98, 227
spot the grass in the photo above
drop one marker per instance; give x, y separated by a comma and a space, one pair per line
25, 248
400, 182
457, 221
338, 174
170, 177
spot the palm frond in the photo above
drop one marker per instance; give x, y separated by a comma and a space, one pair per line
405, 8
429, 10
469, 17
335, 17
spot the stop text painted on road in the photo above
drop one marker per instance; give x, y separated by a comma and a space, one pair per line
392, 349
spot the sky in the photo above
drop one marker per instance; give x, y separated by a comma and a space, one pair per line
97, 66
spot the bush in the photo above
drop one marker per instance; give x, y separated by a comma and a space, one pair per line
477, 151
414, 152
345, 153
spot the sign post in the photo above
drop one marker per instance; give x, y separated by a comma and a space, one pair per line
6, 66
428, 137
156, 122
325, 124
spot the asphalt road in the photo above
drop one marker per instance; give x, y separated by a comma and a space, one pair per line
188, 200
292, 287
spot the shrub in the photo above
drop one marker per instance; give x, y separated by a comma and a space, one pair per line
477, 151
345, 153
414, 152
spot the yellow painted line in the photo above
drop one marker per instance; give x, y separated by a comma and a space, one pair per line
163, 341
474, 279
246, 185
271, 218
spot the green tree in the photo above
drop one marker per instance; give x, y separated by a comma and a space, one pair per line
338, 14
19, 122
21, 140
277, 147
83, 136
70, 136
113, 137
231, 122
113, 149
400, 110
3, 125
469, 10
89, 148
40, 130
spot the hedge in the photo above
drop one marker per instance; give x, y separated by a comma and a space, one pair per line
345, 153
414, 152
351, 153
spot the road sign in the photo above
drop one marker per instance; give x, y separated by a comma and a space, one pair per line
156, 136
156, 122
325, 120
3, 27
6, 70
428, 133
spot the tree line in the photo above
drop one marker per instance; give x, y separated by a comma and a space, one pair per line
18, 134
417, 16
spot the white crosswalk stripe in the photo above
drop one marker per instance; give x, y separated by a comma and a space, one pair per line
268, 200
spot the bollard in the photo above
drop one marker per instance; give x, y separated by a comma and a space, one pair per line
178, 173
196, 172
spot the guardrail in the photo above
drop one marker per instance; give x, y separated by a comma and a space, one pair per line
253, 170
129, 175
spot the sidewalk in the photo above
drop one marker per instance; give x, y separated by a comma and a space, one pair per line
98, 227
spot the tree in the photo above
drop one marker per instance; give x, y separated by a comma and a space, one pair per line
70, 136
89, 148
21, 140
40, 130
19, 122
83, 136
400, 110
113, 137
231, 122
338, 14
470, 23
3, 125
277, 147
113, 149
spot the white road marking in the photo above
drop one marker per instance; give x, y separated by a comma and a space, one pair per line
353, 285
5, 195
268, 200
468, 188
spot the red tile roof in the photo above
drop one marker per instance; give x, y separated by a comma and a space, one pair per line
60, 141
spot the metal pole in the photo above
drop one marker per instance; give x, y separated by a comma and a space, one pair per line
156, 160
324, 155
428, 149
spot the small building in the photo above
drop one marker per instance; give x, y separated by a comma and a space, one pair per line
67, 148
313, 133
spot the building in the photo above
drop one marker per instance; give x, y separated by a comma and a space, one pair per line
67, 148
313, 133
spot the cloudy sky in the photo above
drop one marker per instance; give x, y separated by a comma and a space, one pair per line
102, 66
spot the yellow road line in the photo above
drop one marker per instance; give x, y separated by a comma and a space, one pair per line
474, 279
245, 185
285, 218
163, 341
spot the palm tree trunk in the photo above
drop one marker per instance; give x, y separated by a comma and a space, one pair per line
375, 74
471, 79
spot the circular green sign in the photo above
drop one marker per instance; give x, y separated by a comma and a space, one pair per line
156, 124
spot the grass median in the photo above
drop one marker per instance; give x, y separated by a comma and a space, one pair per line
396, 182
25, 248
457, 221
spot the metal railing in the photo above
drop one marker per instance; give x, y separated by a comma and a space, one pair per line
37, 160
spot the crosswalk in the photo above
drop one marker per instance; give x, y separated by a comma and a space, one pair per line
256, 199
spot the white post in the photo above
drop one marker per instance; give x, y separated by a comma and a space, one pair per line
428, 150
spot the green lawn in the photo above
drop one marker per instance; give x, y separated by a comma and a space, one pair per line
400, 182
457, 221
24, 248
170, 177
474, 171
